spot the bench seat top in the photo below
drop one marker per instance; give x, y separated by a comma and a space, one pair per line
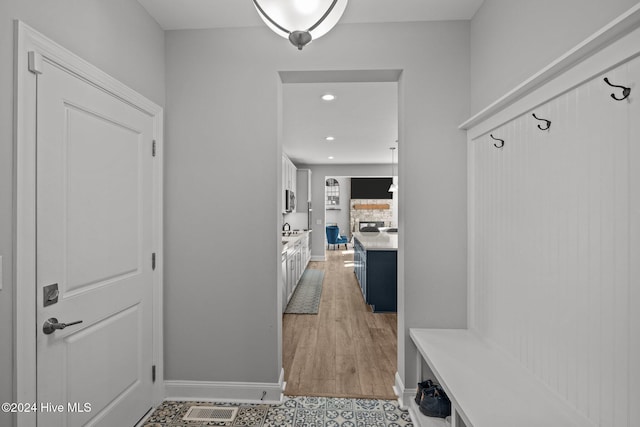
489, 388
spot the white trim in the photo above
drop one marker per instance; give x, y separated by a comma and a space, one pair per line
24, 270
158, 245
471, 236
606, 36
404, 395
318, 258
26, 40
220, 391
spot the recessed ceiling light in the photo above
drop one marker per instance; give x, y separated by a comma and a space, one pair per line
330, 157
330, 138
328, 97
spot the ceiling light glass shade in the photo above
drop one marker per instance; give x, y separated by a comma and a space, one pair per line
300, 20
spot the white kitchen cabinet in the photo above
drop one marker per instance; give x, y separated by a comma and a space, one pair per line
293, 268
285, 294
293, 176
306, 252
289, 174
286, 170
303, 186
291, 272
294, 262
289, 179
297, 254
284, 183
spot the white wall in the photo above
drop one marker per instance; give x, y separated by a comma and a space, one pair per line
222, 252
116, 35
341, 216
513, 39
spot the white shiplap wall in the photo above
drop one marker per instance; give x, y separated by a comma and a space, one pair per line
555, 272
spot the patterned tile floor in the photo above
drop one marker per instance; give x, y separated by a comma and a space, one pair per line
293, 412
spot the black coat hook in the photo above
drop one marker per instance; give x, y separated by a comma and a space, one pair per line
626, 91
497, 139
542, 120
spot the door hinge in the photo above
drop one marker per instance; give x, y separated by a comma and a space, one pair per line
153, 261
153, 373
153, 148
35, 62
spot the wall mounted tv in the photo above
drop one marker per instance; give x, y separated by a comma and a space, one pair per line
371, 188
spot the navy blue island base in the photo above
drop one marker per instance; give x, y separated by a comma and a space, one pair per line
377, 274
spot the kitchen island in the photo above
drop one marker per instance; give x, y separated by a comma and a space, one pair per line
375, 258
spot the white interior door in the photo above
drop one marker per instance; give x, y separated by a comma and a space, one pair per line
94, 240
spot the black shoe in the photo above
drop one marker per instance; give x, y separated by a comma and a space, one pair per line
421, 388
435, 403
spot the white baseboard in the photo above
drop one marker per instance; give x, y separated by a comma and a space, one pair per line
404, 395
318, 258
219, 391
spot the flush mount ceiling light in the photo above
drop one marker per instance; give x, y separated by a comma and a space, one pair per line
300, 20
330, 157
330, 138
328, 97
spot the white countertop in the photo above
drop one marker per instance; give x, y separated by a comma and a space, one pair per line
292, 239
381, 241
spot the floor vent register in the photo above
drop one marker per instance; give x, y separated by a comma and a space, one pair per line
210, 413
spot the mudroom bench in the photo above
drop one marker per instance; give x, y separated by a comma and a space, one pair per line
486, 387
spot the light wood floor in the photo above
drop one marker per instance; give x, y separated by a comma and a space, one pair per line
345, 350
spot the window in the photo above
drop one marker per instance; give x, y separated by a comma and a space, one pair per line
332, 192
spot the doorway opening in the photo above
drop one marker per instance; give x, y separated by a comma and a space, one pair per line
349, 347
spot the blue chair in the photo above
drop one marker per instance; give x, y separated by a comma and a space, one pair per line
334, 238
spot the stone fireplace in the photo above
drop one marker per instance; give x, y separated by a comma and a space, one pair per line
370, 210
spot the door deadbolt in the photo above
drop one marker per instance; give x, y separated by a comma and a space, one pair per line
50, 294
50, 325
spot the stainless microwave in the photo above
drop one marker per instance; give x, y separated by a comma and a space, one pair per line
290, 199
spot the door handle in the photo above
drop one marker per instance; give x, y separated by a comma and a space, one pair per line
50, 325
